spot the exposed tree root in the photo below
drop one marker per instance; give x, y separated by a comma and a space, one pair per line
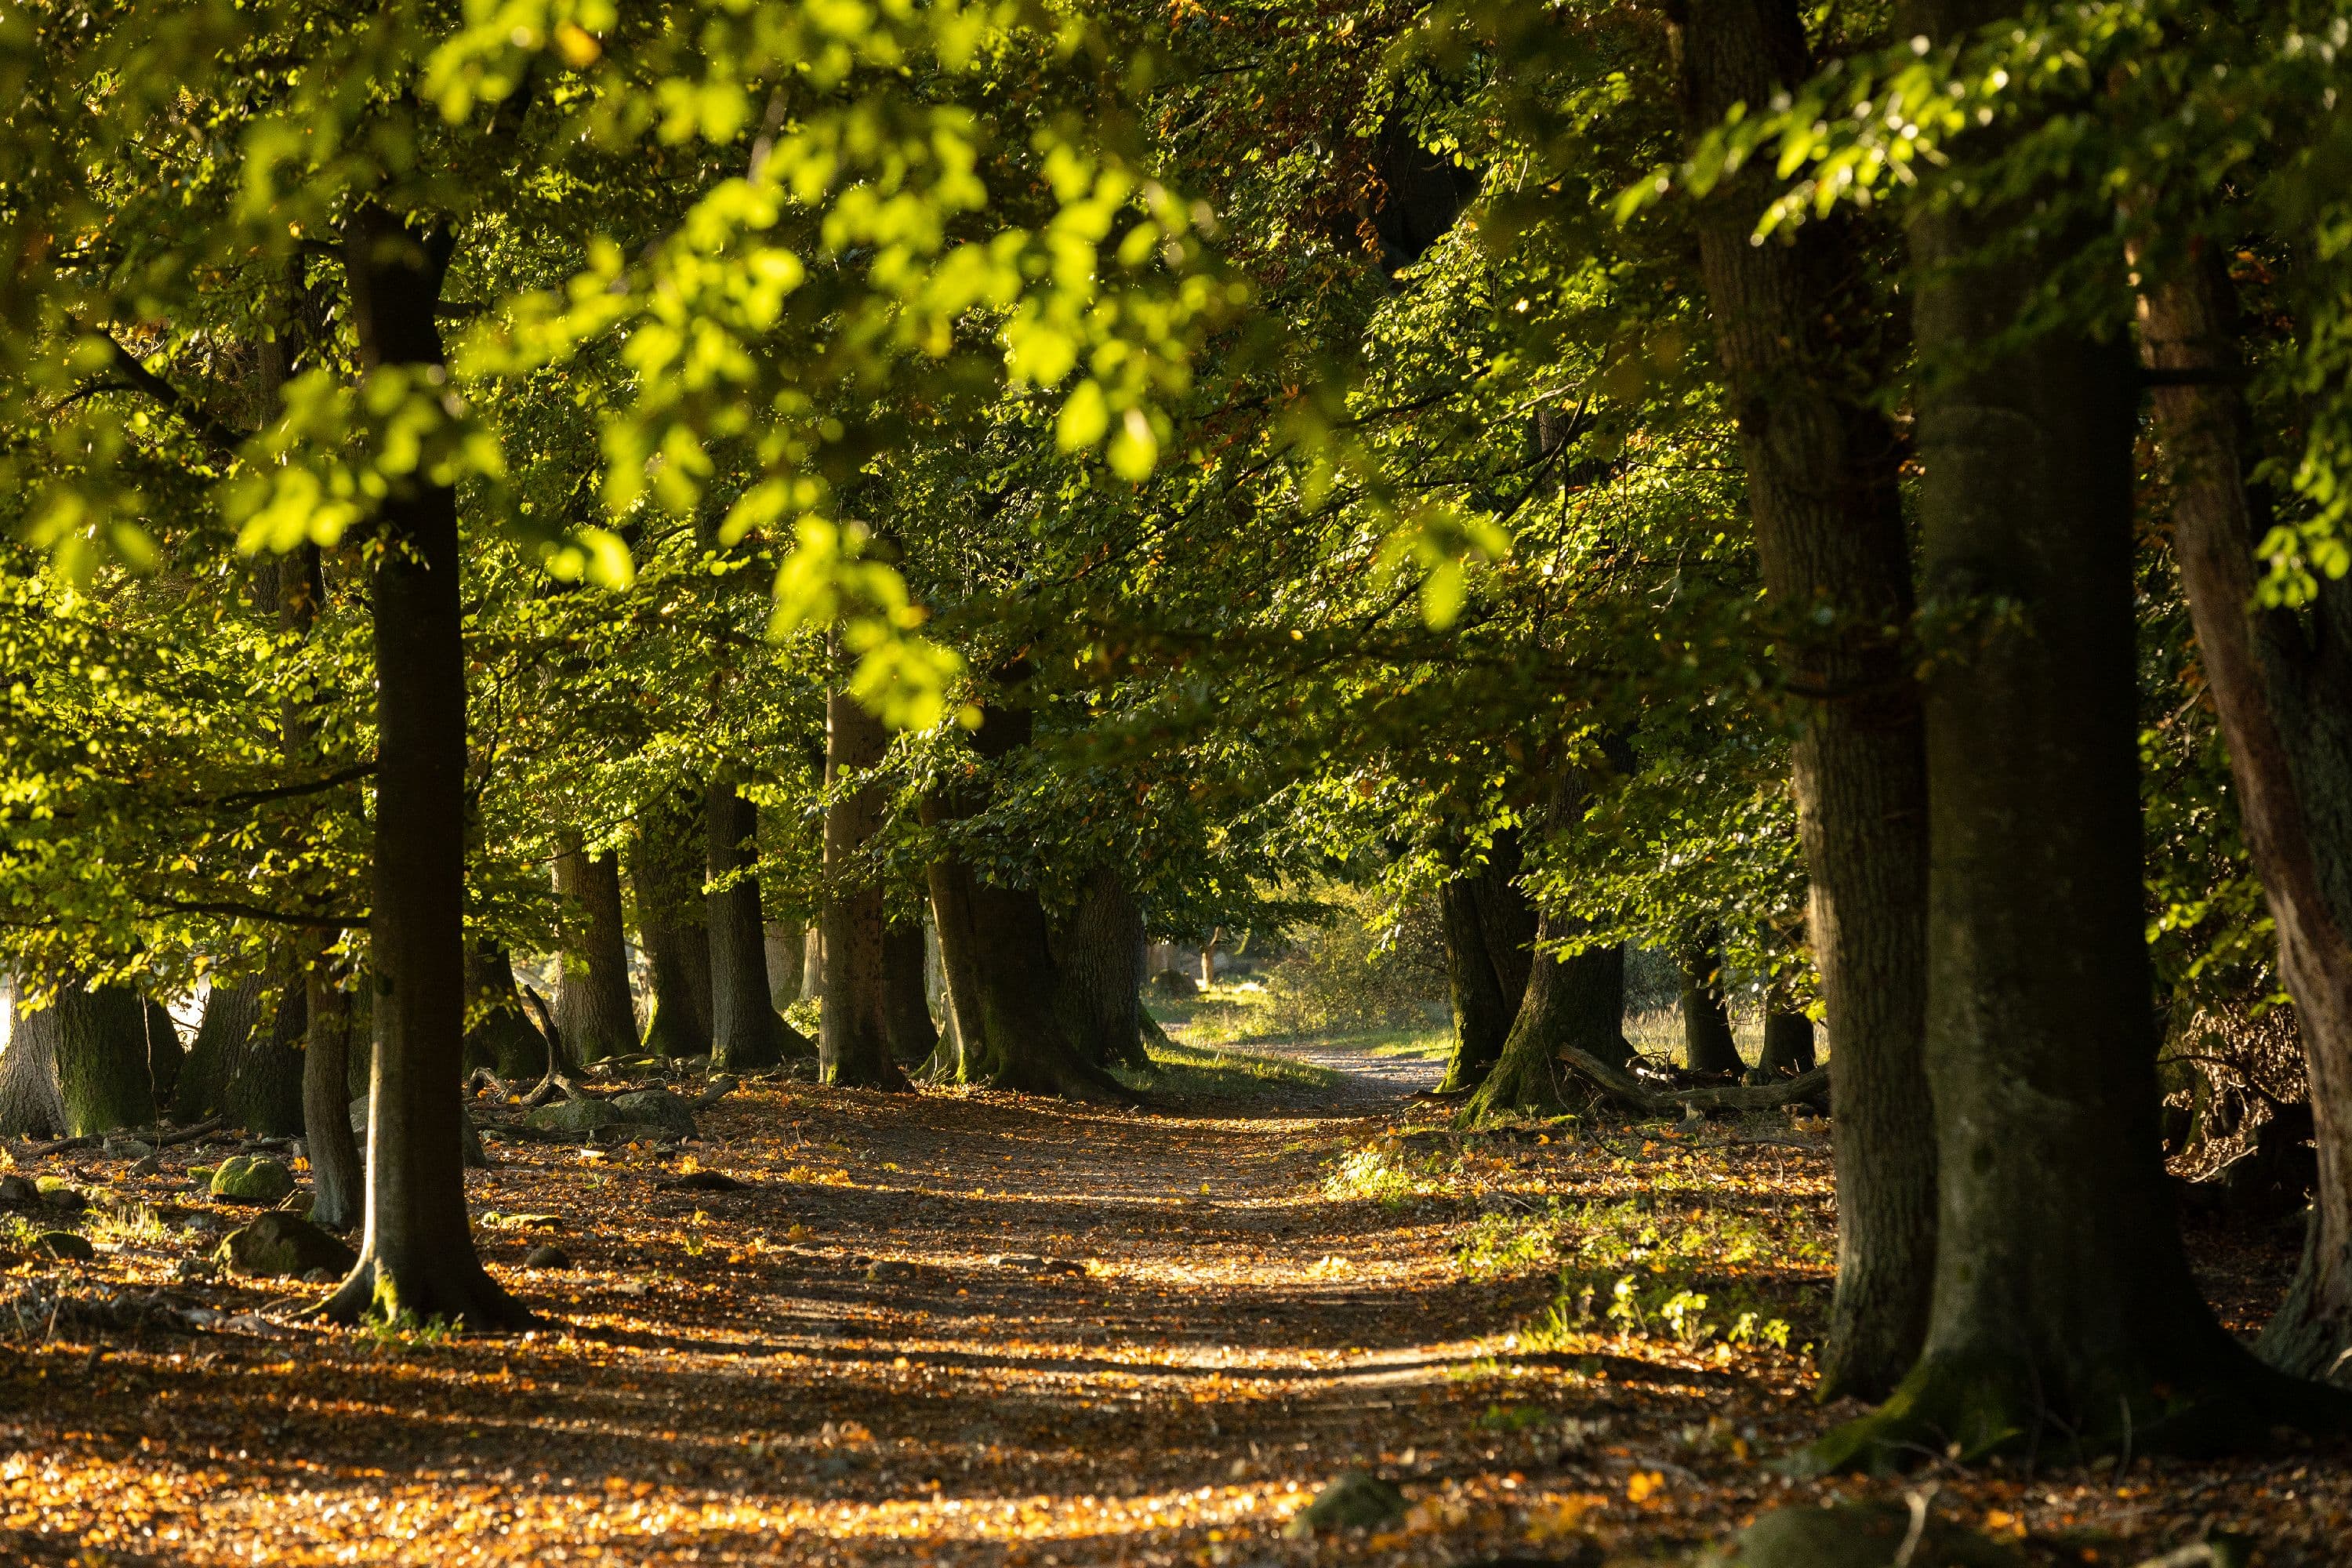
455, 1289
1808, 1088
1516, 1086
1969, 1408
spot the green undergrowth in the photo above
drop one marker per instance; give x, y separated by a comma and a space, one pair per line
1240, 1015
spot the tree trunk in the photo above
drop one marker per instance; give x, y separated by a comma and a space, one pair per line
101, 1046
417, 1254
1708, 1043
30, 1103
1098, 953
2279, 681
746, 1034
502, 1037
1788, 1044
999, 961
812, 963
591, 1000
337, 1181
263, 1093
906, 1006
784, 945
854, 1031
1482, 1014
232, 1012
2063, 1316
1571, 1004
1793, 321
665, 864
1209, 959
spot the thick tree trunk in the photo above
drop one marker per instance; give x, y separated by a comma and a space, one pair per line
232, 1012
338, 1183
263, 1093
1575, 1004
501, 1036
101, 1047
1098, 953
906, 1003
2064, 1315
784, 945
1792, 323
2282, 684
30, 1103
417, 1253
1788, 1044
746, 1033
1708, 1043
854, 1032
591, 1000
812, 963
666, 865
999, 961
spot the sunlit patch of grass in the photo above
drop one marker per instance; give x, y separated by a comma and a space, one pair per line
1387, 1172
1207, 1070
1648, 1268
128, 1225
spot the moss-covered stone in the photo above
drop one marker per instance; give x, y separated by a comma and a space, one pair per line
252, 1179
1354, 1502
60, 1194
576, 1116
657, 1108
1856, 1535
282, 1245
16, 1191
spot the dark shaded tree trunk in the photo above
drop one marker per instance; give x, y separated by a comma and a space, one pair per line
1575, 1003
263, 1093
417, 1252
232, 1012
500, 1036
30, 1103
1804, 343
854, 1031
746, 1033
993, 945
591, 1000
1098, 952
2281, 681
906, 1007
1708, 1043
97, 1044
1788, 1043
338, 1182
1490, 928
2064, 1315
666, 867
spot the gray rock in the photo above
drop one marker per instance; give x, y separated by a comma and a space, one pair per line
889, 1270
65, 1244
252, 1179
15, 1191
1855, 1535
189, 1270
657, 1108
546, 1256
1354, 1502
575, 1116
127, 1149
281, 1244
150, 1166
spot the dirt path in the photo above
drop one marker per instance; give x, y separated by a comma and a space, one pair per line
955, 1327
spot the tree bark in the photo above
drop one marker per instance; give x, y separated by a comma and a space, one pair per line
746, 1033
1000, 964
1708, 1043
30, 1102
417, 1252
853, 1030
1487, 961
2063, 1314
906, 1007
591, 1000
784, 945
338, 1183
666, 865
2279, 681
232, 1012
812, 963
1098, 954
1575, 1004
502, 1037
263, 1093
1788, 1044
1804, 342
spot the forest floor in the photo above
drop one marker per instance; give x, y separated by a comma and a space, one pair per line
962, 1327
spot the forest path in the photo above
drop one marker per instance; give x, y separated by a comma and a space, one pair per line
954, 1326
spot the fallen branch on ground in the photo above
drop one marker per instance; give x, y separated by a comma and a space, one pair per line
1628, 1090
